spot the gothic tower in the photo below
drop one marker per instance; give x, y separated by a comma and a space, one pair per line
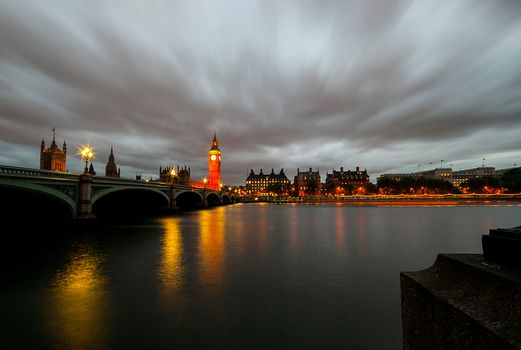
214, 165
53, 158
111, 170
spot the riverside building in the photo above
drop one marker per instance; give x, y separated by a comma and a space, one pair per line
307, 183
338, 181
454, 177
264, 184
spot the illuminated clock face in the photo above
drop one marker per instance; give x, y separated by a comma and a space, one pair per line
219, 157
213, 157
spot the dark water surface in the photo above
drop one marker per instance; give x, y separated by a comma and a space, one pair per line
243, 276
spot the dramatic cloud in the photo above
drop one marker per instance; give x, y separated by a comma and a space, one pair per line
386, 86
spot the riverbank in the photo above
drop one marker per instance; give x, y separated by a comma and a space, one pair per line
445, 199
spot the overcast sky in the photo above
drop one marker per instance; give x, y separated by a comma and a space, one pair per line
383, 85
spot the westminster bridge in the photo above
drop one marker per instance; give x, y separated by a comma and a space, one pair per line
84, 195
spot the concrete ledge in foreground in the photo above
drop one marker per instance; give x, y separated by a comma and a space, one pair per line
462, 302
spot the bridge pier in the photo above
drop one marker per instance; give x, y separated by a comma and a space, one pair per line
173, 202
205, 200
85, 197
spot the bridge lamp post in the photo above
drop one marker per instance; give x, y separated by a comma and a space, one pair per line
87, 153
205, 180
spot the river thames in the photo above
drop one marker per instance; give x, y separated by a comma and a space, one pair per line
242, 276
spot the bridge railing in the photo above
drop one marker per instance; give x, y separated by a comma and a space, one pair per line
19, 171
119, 180
28, 172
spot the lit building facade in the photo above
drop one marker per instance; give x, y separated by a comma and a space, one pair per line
460, 176
454, 177
307, 183
53, 158
214, 165
111, 169
266, 184
339, 181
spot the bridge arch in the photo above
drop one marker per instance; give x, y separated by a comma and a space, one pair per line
226, 199
39, 190
101, 193
122, 201
187, 200
213, 199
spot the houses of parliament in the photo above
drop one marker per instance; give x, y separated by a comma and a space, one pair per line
54, 158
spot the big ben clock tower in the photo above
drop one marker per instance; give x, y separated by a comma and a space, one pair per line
214, 165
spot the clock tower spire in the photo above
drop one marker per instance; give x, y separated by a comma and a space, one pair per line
214, 165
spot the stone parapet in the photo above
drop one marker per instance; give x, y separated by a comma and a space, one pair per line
462, 302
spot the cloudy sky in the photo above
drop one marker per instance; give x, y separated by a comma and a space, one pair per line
384, 85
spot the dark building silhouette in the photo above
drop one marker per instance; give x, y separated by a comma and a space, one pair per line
307, 183
91, 170
264, 184
111, 170
53, 158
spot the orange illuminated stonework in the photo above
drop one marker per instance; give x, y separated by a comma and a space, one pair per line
214, 165
53, 158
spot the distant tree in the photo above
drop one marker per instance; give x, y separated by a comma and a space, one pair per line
511, 180
277, 188
415, 185
331, 188
348, 189
371, 188
386, 185
483, 184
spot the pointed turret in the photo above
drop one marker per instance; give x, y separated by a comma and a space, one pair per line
111, 170
215, 143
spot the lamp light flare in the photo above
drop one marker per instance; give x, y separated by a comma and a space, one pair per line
86, 152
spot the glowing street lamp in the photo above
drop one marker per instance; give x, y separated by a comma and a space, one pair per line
205, 180
87, 153
173, 173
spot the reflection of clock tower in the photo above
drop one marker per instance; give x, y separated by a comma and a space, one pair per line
214, 165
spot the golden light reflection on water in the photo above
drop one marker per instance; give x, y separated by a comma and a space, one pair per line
78, 298
211, 247
171, 270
